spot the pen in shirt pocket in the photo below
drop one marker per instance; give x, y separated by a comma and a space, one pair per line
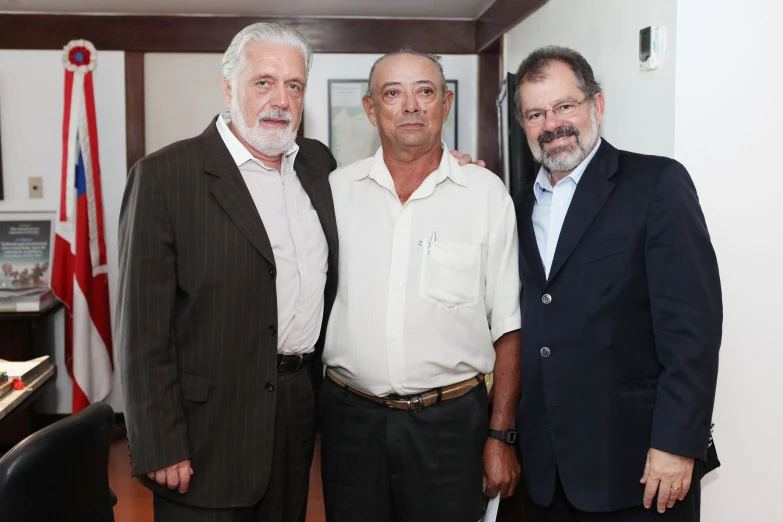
429, 242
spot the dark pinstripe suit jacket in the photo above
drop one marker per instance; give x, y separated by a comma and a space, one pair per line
197, 316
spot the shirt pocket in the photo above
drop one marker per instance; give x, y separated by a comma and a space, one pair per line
450, 274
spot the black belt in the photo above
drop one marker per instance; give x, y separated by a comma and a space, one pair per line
293, 363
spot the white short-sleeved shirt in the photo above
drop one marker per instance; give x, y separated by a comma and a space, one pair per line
425, 288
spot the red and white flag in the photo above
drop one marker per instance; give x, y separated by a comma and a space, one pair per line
79, 273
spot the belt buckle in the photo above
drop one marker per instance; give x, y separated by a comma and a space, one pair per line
299, 363
415, 404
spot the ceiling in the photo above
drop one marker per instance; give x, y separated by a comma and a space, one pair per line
451, 9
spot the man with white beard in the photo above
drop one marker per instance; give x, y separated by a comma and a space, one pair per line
228, 249
621, 314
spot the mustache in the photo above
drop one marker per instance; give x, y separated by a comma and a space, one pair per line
275, 115
562, 132
414, 119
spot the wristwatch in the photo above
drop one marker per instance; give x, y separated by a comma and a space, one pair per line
508, 436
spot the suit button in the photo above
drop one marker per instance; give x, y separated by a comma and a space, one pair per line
546, 298
270, 387
272, 330
272, 272
545, 352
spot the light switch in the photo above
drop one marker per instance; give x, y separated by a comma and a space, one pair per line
35, 185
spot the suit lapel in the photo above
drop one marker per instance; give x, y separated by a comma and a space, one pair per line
590, 195
232, 193
527, 240
315, 181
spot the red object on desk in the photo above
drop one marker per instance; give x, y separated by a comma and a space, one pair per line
17, 385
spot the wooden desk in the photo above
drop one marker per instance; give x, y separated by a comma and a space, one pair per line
17, 400
25, 336
21, 332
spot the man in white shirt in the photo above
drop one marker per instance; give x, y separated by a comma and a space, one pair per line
427, 304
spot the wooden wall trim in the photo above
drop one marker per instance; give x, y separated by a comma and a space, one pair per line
502, 16
214, 33
489, 88
134, 107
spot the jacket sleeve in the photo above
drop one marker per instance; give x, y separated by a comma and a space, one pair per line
687, 314
149, 378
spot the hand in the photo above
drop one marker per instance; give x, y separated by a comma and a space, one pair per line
176, 476
464, 159
669, 475
501, 469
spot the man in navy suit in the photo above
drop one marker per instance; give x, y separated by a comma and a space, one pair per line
622, 314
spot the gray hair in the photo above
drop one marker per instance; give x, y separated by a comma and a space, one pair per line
263, 32
407, 50
532, 69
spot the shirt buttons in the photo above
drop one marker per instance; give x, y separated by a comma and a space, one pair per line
545, 352
403, 231
399, 285
396, 338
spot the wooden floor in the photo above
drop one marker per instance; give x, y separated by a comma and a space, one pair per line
134, 501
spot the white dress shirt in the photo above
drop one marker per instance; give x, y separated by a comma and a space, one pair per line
425, 288
298, 243
551, 207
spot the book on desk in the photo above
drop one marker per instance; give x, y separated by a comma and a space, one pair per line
26, 300
25, 371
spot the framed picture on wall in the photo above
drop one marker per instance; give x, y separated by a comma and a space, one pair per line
351, 135
26, 247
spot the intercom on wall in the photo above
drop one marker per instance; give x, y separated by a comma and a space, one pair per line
648, 48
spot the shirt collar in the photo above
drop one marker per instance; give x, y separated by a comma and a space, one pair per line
448, 168
239, 152
544, 181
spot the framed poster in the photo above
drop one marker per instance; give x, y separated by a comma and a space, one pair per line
26, 246
351, 135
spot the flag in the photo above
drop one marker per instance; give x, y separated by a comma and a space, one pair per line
79, 271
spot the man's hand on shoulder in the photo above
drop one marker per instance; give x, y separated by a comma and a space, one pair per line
667, 474
176, 476
464, 159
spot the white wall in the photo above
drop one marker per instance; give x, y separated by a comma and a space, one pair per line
182, 94
727, 129
31, 113
639, 106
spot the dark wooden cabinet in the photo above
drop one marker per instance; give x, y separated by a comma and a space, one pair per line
24, 336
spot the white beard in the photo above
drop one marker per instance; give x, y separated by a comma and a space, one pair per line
269, 142
560, 159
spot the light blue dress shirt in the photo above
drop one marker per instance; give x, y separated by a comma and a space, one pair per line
551, 207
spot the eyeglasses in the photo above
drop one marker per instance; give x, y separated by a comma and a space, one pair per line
563, 110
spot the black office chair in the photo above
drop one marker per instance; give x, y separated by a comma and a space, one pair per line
61, 473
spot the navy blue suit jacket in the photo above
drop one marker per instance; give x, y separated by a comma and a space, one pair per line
622, 354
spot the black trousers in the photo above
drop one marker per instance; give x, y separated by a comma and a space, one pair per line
561, 510
385, 465
285, 499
